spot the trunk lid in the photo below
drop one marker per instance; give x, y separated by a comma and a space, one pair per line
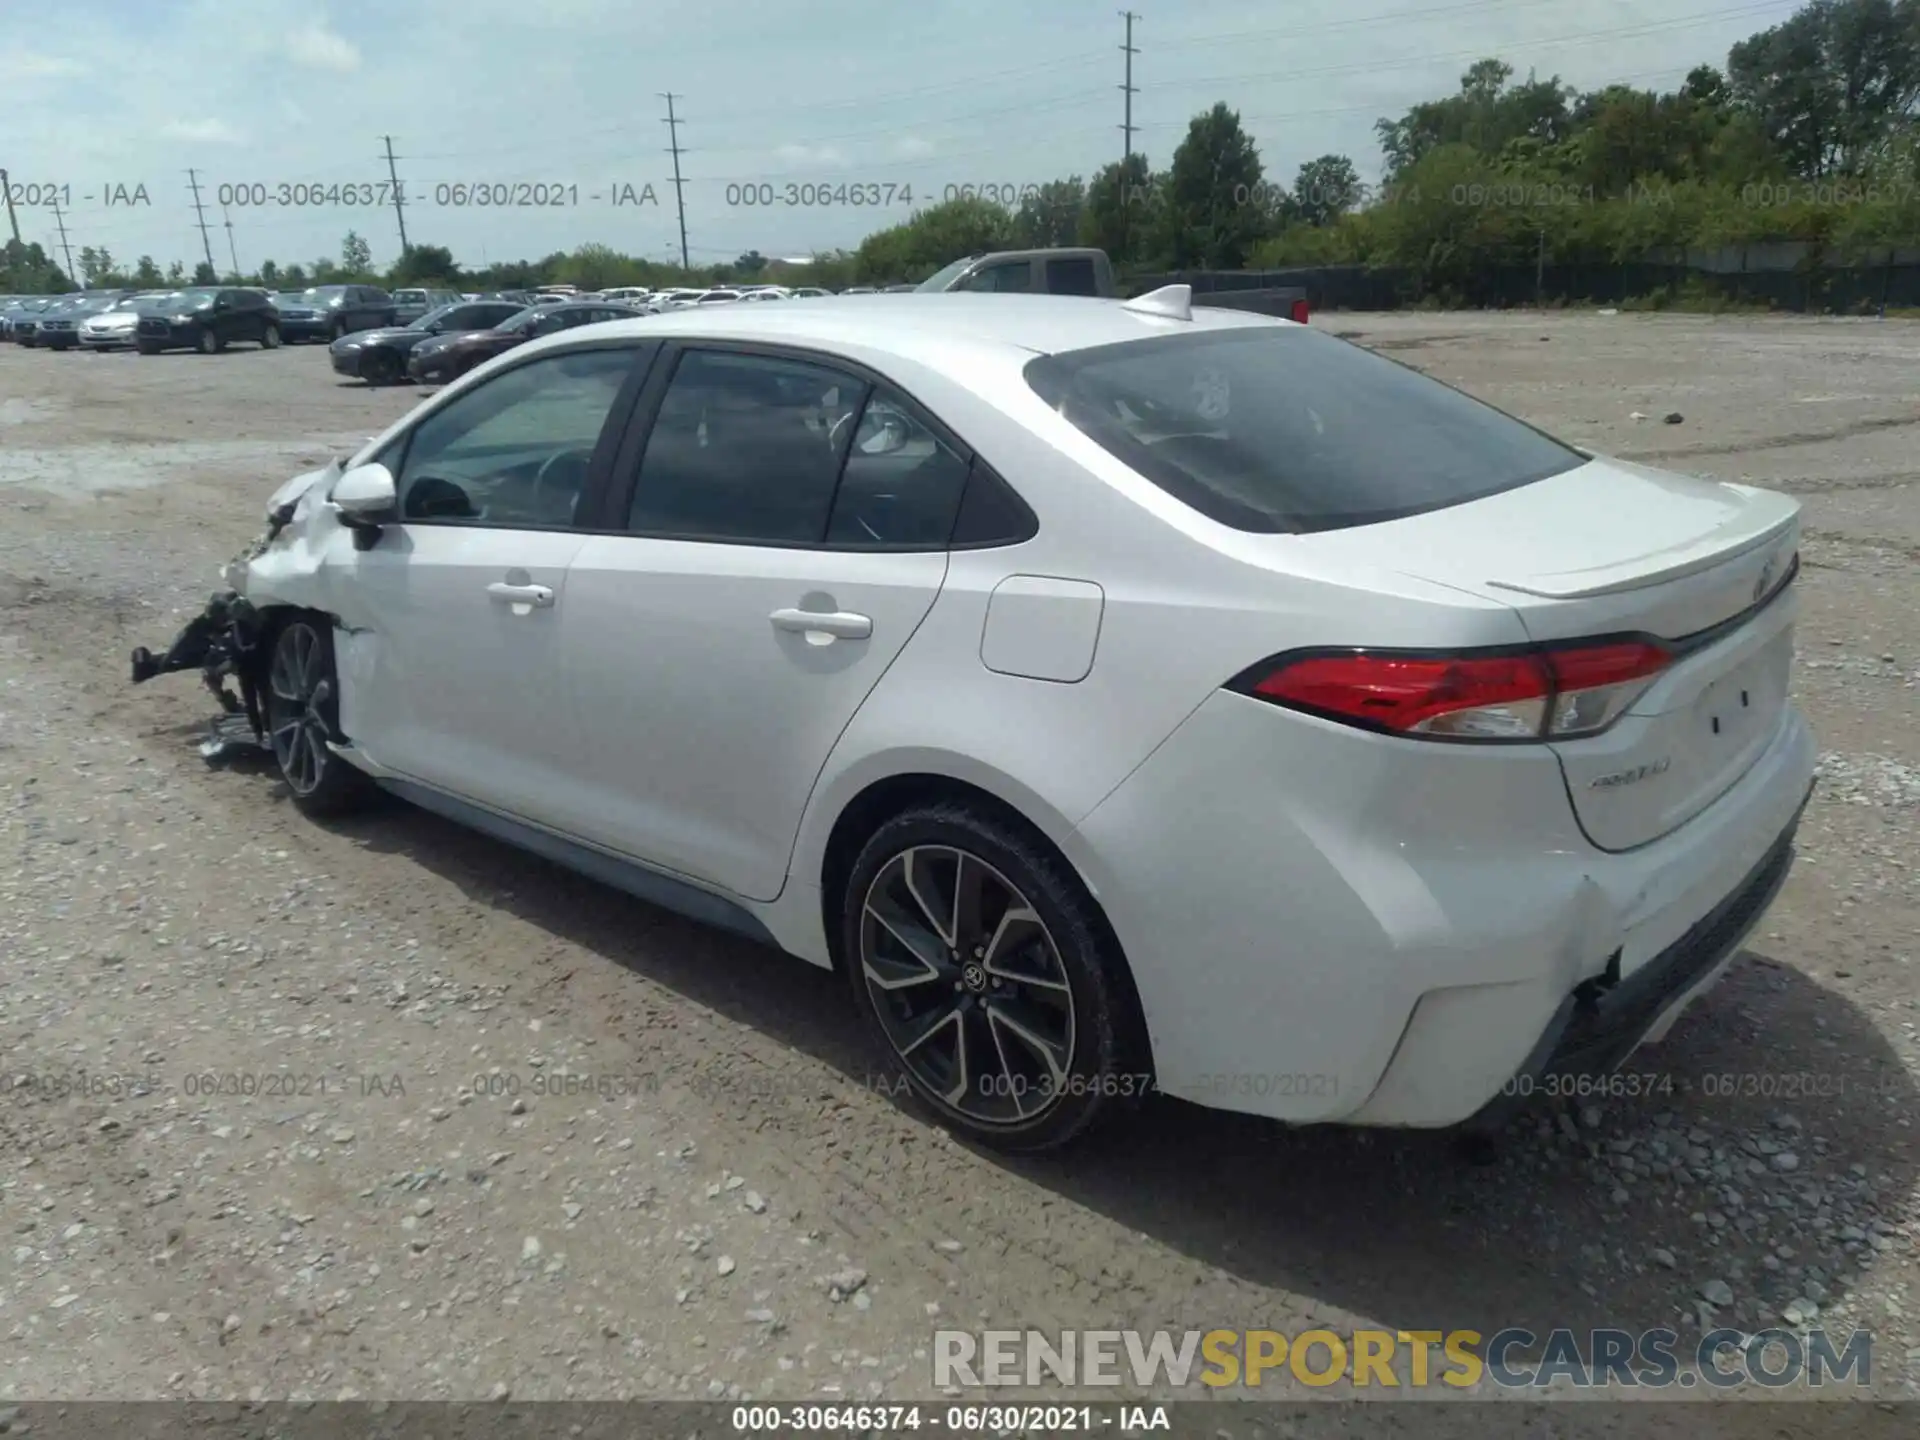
1611, 549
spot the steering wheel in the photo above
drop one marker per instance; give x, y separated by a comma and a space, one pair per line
576, 454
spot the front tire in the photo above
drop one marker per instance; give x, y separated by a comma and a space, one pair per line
381, 367
147, 347
270, 338
303, 715
210, 342
987, 976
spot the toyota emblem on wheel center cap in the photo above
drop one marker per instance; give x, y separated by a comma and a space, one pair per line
973, 977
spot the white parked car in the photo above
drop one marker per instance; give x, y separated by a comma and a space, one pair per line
1122, 696
718, 297
113, 327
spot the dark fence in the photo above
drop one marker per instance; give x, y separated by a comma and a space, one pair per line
1824, 289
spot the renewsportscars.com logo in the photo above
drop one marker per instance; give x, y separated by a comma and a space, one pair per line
1513, 1358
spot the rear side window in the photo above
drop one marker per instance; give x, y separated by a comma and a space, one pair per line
1072, 276
1282, 429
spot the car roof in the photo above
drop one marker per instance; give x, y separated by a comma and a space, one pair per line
919, 325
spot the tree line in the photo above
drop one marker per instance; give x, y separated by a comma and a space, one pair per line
1807, 133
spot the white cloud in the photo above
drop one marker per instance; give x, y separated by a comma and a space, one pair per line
320, 48
811, 155
911, 147
30, 66
201, 132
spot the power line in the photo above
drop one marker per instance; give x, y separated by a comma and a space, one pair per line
679, 190
1127, 87
65, 249
206, 241
399, 207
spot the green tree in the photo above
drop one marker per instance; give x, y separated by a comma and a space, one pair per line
356, 256
750, 265
176, 273
1324, 188
934, 237
1214, 211
269, 274
425, 265
1050, 214
294, 277
1119, 216
1832, 83
147, 275
205, 274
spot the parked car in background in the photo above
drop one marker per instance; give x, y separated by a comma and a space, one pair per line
27, 319
380, 357
451, 355
860, 290
21, 315
113, 327
410, 304
718, 297
59, 327
326, 312
208, 320
811, 292
626, 294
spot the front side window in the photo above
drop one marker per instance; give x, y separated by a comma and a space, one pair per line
513, 453
1013, 277
746, 448
1278, 429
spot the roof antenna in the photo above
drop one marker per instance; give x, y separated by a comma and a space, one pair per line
1169, 302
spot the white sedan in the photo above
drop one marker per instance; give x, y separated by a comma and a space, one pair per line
1124, 697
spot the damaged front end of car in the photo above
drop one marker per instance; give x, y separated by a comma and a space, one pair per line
226, 642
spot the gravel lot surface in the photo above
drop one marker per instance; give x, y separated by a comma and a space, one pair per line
382, 1199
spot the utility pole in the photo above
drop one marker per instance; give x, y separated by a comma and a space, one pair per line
1127, 88
231, 249
679, 191
206, 240
65, 248
7, 186
399, 204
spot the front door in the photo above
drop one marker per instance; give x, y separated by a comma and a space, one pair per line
453, 663
787, 532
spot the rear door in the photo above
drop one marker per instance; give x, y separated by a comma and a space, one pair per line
785, 527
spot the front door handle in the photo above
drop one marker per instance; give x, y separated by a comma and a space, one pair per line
538, 596
841, 623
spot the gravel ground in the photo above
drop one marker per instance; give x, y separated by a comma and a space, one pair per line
382, 1198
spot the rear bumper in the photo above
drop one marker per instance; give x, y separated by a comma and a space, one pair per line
1385, 935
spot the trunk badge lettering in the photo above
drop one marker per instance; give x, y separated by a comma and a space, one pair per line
1628, 777
1765, 582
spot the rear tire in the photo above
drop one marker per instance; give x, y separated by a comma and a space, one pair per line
381, 367
987, 977
303, 715
270, 338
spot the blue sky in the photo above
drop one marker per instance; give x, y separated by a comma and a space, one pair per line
894, 96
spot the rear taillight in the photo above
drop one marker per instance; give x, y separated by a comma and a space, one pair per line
1552, 694
1299, 313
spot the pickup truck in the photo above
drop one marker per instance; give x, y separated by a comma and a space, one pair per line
1089, 272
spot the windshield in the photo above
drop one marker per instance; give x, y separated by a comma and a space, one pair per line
292, 297
409, 297
439, 312
320, 294
1278, 428
942, 278
193, 299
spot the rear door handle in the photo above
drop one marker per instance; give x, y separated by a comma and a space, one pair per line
538, 596
841, 623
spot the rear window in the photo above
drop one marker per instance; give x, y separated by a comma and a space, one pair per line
1283, 429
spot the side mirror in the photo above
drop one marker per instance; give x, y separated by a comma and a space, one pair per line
364, 497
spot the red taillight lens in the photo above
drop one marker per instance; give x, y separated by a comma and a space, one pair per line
1539, 695
1300, 313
